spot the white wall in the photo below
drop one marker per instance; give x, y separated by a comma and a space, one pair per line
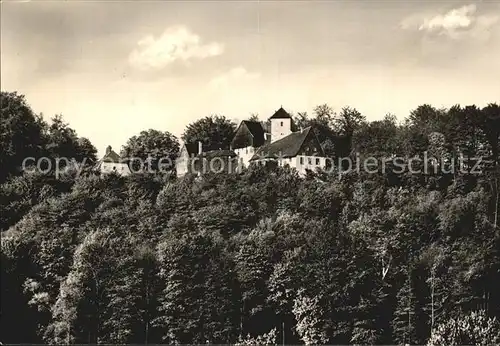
181, 165
120, 168
280, 128
302, 162
307, 162
245, 154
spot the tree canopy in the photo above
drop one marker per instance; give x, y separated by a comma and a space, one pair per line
152, 144
25, 134
263, 255
21, 133
214, 132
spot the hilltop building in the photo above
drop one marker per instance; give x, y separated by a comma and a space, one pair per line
112, 162
281, 125
249, 137
252, 144
283, 145
193, 159
300, 150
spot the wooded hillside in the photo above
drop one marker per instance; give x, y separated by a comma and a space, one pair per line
262, 256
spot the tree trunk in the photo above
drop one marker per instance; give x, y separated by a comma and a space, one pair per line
497, 202
409, 306
432, 301
283, 328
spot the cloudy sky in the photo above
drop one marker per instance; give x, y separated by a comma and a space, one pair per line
114, 68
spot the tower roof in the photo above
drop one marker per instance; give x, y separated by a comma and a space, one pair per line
281, 114
111, 156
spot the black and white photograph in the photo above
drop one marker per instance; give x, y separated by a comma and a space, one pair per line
250, 172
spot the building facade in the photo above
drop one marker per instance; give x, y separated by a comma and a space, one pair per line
194, 160
300, 150
249, 137
113, 163
252, 144
284, 145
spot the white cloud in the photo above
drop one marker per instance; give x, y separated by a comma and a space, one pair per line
177, 43
458, 18
458, 23
235, 75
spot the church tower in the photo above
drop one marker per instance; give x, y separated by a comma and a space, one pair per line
281, 125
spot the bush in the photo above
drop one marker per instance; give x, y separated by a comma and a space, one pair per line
473, 329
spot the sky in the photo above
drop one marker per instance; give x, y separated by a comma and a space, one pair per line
115, 68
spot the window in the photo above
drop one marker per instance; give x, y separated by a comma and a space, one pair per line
309, 161
301, 160
317, 161
281, 123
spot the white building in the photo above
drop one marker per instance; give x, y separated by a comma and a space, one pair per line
249, 137
298, 149
194, 159
252, 144
112, 162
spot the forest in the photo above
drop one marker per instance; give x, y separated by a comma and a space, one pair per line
262, 256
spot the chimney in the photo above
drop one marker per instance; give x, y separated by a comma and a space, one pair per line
200, 148
108, 149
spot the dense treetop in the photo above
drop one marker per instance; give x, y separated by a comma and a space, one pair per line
258, 256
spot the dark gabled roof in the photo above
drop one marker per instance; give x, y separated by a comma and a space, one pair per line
111, 156
281, 114
288, 146
248, 133
255, 128
192, 148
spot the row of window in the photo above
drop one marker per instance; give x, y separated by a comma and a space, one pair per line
309, 161
114, 168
